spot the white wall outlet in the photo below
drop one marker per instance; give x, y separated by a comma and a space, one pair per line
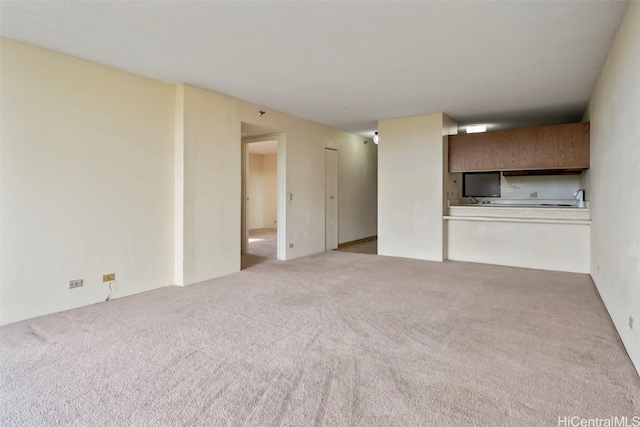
75, 284
290, 245
533, 195
631, 322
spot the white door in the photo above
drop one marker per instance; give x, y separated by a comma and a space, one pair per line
331, 199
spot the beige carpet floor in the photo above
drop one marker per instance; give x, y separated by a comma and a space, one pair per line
331, 339
262, 247
370, 247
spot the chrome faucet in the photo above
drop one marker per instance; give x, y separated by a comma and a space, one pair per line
473, 200
579, 195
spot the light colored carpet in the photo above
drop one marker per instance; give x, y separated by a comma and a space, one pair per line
370, 247
262, 247
331, 339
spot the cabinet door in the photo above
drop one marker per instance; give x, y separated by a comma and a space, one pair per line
520, 144
563, 146
457, 154
545, 152
540, 148
573, 150
484, 148
490, 151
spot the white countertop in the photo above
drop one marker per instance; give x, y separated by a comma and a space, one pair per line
518, 212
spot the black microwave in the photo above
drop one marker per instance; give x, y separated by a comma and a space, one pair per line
481, 184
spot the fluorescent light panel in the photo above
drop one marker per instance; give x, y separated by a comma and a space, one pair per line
476, 128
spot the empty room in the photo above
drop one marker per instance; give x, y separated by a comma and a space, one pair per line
320, 213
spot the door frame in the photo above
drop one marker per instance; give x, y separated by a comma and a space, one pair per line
281, 191
337, 234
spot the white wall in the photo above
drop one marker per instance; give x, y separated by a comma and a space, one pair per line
547, 246
212, 179
357, 189
547, 187
270, 191
103, 171
262, 191
255, 192
411, 183
86, 183
454, 186
614, 112
301, 158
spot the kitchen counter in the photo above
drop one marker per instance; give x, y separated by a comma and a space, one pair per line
531, 236
520, 212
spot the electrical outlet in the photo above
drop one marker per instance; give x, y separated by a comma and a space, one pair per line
631, 322
108, 277
75, 284
533, 195
290, 245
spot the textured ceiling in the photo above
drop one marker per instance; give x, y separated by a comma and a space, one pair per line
348, 64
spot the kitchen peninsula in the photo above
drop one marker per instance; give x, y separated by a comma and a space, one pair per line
526, 235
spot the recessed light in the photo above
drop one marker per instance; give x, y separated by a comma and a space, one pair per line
476, 128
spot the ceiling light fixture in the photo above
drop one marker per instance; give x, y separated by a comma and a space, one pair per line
376, 138
476, 128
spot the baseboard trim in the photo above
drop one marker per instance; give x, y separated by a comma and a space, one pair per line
355, 242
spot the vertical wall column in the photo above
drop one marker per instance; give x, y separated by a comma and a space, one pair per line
612, 182
178, 185
207, 185
411, 182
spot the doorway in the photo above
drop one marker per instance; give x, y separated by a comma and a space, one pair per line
261, 229
262, 198
331, 199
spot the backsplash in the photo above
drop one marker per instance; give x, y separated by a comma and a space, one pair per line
546, 186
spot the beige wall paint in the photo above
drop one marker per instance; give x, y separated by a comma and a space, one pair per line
301, 156
212, 179
304, 164
357, 189
262, 191
547, 187
449, 186
90, 159
270, 190
614, 112
87, 182
547, 246
411, 182
454, 187
255, 191
178, 185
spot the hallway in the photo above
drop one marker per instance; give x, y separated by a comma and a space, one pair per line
262, 247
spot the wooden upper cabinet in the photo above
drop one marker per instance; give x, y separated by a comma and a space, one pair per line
559, 147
